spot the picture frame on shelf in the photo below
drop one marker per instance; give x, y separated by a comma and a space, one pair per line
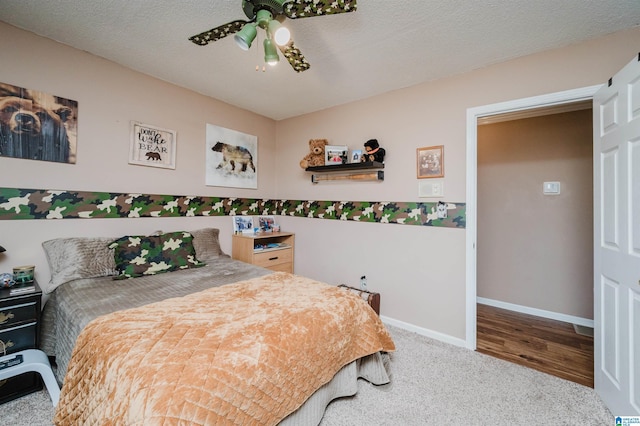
266, 223
335, 154
242, 224
430, 162
356, 156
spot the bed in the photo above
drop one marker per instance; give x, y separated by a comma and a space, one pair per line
211, 341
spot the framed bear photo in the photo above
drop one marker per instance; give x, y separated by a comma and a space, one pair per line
37, 125
231, 158
152, 146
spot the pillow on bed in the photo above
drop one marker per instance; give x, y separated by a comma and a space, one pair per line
139, 255
207, 244
78, 257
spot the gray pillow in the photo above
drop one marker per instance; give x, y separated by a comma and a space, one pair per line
78, 257
88, 257
207, 245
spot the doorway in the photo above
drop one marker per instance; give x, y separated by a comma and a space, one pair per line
473, 115
535, 238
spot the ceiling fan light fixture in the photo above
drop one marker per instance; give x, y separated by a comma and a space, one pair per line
245, 36
269, 15
281, 35
270, 53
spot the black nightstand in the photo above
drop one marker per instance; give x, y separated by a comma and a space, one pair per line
19, 330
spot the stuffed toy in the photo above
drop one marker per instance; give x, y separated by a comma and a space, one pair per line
315, 157
6, 281
373, 152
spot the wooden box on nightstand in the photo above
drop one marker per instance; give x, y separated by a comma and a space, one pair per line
271, 250
19, 330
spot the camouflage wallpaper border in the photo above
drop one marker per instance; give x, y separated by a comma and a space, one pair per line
18, 204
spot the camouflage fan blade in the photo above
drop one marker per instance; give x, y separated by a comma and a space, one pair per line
294, 56
309, 8
217, 33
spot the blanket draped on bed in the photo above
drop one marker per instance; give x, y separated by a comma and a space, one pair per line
245, 353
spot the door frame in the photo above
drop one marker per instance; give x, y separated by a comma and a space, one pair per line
551, 99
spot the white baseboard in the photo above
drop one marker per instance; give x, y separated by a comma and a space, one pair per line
424, 332
537, 312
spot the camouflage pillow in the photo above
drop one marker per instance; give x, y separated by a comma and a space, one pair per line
140, 255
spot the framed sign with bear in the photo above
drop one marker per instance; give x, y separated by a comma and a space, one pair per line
430, 162
152, 146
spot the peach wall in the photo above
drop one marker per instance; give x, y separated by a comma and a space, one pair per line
110, 96
420, 271
536, 250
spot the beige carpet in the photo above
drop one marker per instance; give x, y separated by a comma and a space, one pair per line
432, 383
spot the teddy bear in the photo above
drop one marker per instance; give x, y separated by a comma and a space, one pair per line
373, 152
315, 157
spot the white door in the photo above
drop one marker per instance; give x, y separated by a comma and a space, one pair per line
616, 120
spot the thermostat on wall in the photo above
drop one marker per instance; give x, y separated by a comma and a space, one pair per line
551, 188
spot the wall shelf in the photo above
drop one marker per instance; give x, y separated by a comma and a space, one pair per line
352, 171
369, 165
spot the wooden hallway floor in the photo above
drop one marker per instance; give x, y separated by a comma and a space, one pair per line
546, 345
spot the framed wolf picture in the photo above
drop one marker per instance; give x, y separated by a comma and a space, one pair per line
36, 125
231, 158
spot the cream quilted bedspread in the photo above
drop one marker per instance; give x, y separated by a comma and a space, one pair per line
245, 353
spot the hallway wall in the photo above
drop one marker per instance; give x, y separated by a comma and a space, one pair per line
536, 250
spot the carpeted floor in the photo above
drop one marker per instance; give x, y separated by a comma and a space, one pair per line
432, 383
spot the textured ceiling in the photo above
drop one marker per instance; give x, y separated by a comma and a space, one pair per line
383, 46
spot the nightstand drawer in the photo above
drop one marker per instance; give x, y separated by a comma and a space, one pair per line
273, 257
18, 314
282, 267
18, 338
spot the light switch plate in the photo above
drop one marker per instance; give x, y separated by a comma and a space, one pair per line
551, 188
431, 189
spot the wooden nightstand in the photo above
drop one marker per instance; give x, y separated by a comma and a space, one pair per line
19, 330
271, 250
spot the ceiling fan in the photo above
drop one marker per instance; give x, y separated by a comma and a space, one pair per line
269, 15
